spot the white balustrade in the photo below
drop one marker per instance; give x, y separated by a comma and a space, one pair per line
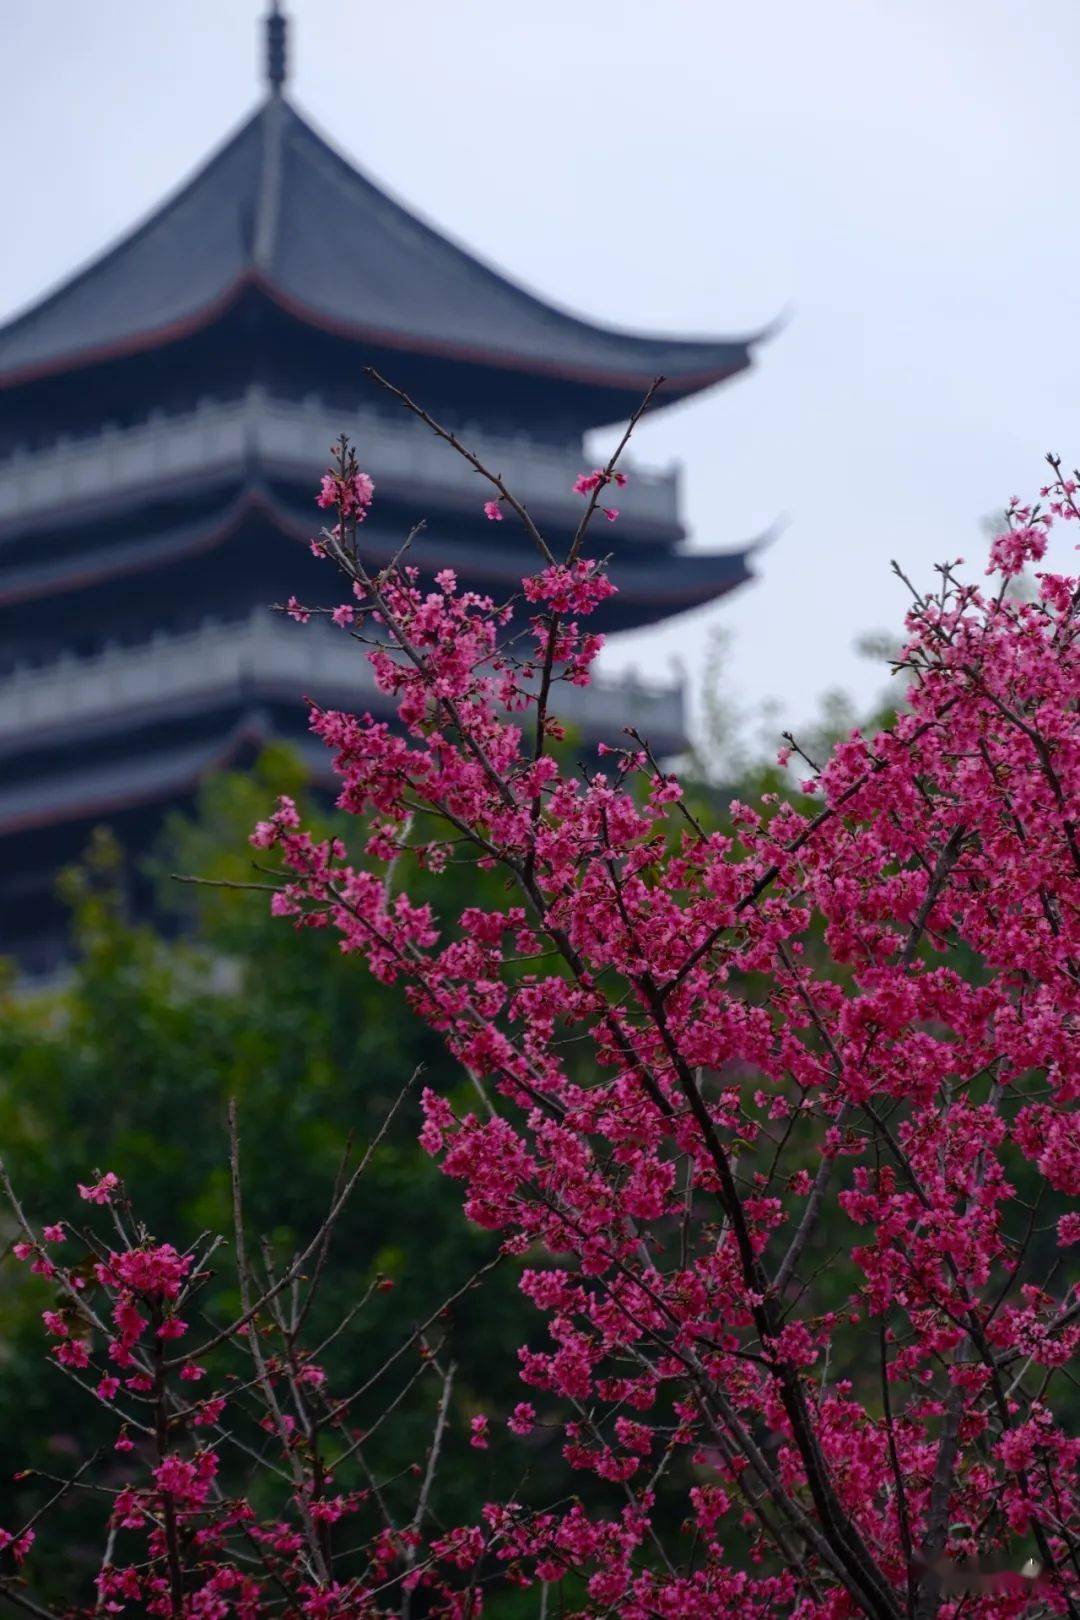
273, 654
216, 438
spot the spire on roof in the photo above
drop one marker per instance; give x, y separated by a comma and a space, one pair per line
275, 48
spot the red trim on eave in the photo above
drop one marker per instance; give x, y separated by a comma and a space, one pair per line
497, 361
208, 540
173, 331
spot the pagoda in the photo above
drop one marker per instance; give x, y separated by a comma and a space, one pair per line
164, 417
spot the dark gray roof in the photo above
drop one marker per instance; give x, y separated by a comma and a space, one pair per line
278, 208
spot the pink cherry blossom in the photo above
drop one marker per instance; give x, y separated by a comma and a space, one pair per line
101, 1191
478, 1436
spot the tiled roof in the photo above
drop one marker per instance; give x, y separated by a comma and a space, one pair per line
277, 208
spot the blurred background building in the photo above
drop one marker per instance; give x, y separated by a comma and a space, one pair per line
164, 418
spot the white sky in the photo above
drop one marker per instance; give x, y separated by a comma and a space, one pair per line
898, 175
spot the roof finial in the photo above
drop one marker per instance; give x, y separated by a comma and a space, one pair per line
275, 48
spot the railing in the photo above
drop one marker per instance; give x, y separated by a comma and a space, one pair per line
265, 652
217, 438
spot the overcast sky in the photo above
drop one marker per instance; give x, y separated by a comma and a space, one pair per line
895, 176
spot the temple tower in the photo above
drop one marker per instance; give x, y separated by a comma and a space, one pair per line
164, 417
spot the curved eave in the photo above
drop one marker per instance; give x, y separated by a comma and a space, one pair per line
731, 358
674, 584
79, 572
127, 784
100, 354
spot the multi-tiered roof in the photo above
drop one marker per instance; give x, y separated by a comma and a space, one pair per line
164, 415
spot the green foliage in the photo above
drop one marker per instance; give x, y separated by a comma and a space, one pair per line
130, 1067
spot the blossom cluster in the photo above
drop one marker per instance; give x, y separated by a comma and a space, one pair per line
702, 1052
179, 1537
590, 484
776, 1120
349, 494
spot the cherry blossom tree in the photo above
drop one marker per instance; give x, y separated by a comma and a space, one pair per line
778, 1128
